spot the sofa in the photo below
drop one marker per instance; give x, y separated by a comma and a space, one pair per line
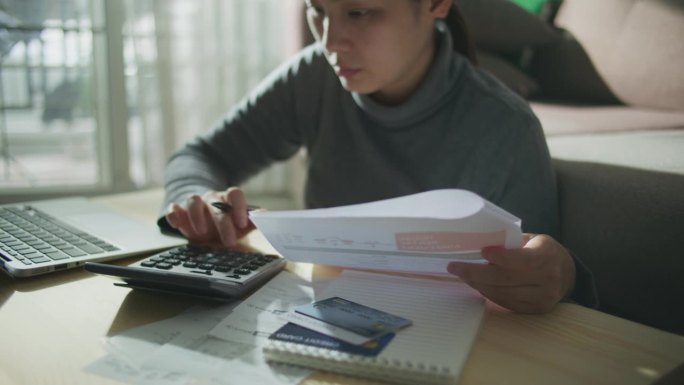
632, 113
627, 226
606, 80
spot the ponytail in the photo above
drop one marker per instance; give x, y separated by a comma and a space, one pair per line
463, 44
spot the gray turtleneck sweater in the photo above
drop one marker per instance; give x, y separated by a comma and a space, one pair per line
460, 129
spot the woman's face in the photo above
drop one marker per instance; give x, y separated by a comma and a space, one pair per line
377, 47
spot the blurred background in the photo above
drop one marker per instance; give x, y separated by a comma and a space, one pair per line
95, 95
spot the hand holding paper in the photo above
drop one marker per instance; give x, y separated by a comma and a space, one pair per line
417, 233
528, 280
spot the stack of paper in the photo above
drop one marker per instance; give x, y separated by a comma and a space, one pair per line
418, 233
183, 351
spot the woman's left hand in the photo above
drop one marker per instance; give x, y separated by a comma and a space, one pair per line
532, 279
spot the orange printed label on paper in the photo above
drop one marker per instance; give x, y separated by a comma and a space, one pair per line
442, 241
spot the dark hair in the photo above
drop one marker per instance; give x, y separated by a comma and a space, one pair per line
463, 44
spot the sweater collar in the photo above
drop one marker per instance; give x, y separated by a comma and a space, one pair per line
430, 94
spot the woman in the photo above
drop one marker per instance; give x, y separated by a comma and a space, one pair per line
386, 107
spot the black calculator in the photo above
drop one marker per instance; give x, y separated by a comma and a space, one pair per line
222, 274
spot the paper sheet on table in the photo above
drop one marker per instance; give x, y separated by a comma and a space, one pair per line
135, 345
416, 233
255, 319
238, 346
179, 351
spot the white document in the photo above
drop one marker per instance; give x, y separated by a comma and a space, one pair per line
179, 351
135, 345
255, 319
416, 233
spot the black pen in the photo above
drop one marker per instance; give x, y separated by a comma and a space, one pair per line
227, 208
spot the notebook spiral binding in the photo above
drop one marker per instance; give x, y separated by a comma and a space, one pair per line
394, 370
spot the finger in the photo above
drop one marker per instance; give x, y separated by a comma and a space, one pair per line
236, 198
527, 237
490, 274
244, 231
226, 229
196, 211
514, 259
524, 299
172, 215
178, 219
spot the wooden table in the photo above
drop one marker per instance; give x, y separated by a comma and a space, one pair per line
51, 328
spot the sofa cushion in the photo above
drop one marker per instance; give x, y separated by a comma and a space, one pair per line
501, 26
559, 119
565, 72
635, 45
626, 226
508, 74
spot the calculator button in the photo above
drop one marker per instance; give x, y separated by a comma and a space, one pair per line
148, 264
163, 265
207, 266
243, 271
222, 268
190, 265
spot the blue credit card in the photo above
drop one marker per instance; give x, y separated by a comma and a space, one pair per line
357, 318
300, 335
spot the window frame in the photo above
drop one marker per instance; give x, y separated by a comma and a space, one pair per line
111, 116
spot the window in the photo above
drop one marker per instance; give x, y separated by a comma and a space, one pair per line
97, 94
52, 71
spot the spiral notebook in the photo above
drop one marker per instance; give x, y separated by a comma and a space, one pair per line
446, 316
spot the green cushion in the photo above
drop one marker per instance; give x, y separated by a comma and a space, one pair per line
533, 6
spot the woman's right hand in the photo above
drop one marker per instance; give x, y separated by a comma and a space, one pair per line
200, 222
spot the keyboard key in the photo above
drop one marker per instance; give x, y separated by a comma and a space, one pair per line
45, 248
32, 254
73, 252
56, 255
90, 249
41, 260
